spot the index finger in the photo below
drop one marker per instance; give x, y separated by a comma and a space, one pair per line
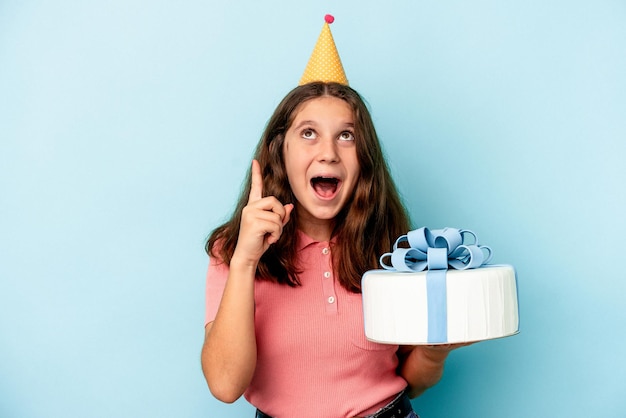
256, 187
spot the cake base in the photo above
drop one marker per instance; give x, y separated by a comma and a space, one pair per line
479, 304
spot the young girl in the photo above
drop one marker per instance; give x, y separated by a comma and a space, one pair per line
284, 323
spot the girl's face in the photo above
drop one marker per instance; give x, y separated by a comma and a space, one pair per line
321, 161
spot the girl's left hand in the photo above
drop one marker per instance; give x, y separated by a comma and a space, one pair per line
435, 353
446, 347
434, 349
422, 365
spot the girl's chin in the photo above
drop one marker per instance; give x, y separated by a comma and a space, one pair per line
318, 214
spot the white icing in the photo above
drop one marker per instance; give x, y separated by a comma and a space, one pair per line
481, 305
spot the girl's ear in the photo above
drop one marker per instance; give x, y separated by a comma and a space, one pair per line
276, 144
275, 151
273, 146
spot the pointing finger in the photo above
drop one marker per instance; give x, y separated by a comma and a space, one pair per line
256, 187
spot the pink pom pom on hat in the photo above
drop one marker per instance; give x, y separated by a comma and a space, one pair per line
324, 64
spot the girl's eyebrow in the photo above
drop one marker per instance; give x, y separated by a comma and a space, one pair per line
313, 123
304, 122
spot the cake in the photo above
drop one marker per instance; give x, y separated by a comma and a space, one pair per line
470, 302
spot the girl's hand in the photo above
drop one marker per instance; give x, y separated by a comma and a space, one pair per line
445, 348
262, 221
434, 353
422, 365
435, 349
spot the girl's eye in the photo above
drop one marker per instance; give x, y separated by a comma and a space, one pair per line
309, 134
346, 136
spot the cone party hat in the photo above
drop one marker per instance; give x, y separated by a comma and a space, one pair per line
324, 64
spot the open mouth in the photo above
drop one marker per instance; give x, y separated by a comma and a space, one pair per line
325, 187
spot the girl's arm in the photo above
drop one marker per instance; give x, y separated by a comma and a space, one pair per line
229, 350
422, 365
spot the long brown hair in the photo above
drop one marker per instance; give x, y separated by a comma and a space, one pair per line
364, 229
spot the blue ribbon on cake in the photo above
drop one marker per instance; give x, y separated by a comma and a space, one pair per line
436, 250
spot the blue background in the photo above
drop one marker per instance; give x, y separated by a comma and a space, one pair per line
126, 128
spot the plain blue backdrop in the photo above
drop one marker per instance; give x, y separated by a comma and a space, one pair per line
126, 128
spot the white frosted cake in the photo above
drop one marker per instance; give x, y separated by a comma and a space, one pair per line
472, 305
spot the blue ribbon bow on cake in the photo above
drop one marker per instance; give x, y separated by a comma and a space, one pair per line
434, 251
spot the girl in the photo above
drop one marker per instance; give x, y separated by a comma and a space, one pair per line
284, 323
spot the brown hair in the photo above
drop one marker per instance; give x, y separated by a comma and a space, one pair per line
364, 229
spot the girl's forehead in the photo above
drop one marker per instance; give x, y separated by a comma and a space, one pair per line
321, 105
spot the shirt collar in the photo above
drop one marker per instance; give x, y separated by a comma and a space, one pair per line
305, 241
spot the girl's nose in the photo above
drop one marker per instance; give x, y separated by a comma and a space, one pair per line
327, 151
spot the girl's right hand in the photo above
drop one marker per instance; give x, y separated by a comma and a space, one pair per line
262, 221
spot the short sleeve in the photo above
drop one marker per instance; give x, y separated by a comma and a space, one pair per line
216, 276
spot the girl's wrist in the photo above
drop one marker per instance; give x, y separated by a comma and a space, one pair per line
243, 264
436, 355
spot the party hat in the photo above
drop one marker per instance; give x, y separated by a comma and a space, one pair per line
324, 64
